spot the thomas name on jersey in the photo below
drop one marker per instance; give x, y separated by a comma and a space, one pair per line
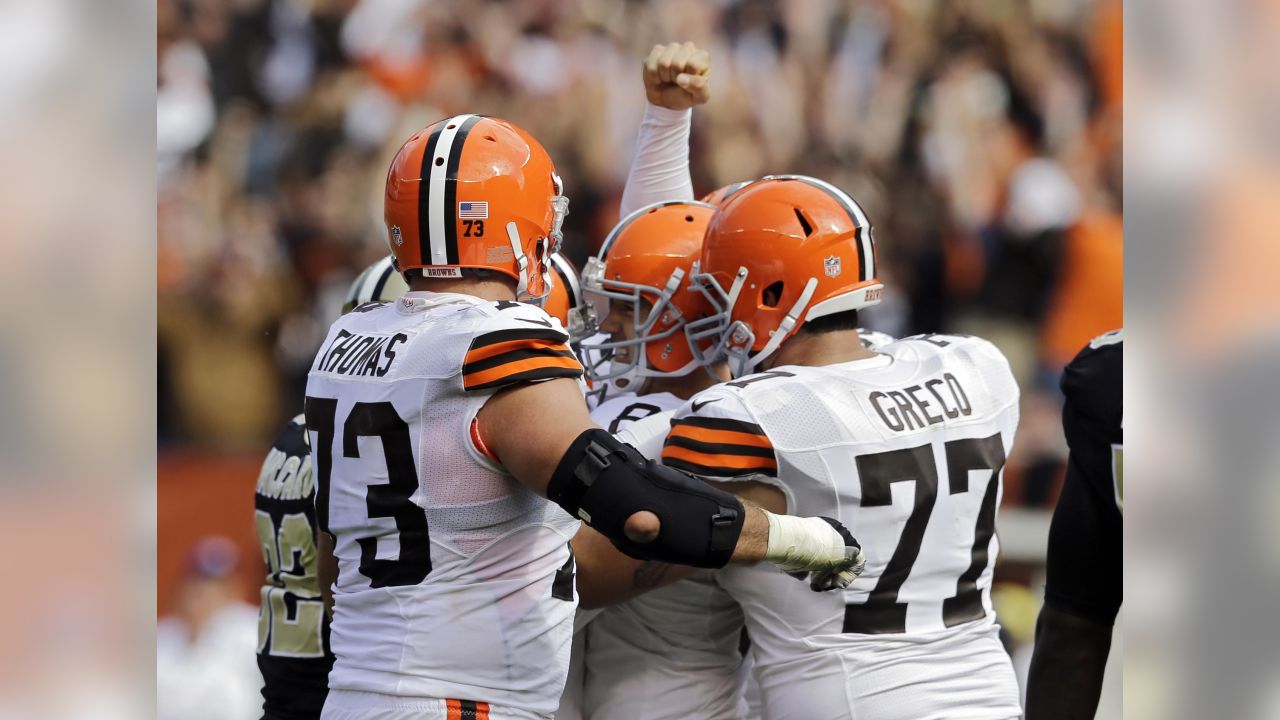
285, 476
897, 408
360, 355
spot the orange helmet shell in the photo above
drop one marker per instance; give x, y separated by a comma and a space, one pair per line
802, 239
474, 192
649, 256
720, 194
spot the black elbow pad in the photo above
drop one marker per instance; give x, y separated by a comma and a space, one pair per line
604, 481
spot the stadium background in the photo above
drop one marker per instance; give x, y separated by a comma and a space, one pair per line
981, 136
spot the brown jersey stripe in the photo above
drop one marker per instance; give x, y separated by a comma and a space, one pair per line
502, 348
523, 371
715, 423
714, 471
553, 361
737, 462
524, 351
496, 337
708, 448
731, 437
466, 709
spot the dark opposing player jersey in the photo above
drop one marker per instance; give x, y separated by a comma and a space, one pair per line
293, 646
1084, 575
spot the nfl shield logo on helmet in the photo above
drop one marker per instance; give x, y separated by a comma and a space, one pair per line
396, 236
831, 266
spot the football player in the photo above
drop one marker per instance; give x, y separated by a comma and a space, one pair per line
906, 443
293, 643
1084, 582
676, 78
675, 81
454, 457
680, 643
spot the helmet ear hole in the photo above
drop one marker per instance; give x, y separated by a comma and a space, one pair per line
772, 295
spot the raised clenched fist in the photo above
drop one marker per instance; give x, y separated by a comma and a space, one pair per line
677, 76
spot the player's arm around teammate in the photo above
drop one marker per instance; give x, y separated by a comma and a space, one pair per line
544, 436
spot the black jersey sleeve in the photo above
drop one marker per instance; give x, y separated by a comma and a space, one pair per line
1084, 573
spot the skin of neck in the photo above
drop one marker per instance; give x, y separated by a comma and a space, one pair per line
499, 287
814, 350
685, 386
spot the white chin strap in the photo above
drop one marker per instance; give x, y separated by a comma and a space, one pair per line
749, 363
522, 260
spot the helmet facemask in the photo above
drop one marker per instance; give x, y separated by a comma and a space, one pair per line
732, 339
540, 264
707, 336
653, 317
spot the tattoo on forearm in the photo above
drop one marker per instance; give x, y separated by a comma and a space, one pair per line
650, 573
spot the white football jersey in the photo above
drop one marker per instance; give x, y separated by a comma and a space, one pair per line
673, 652
620, 414
873, 339
455, 581
906, 449
623, 411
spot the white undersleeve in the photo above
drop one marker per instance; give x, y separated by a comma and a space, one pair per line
660, 166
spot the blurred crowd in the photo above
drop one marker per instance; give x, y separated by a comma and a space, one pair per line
982, 137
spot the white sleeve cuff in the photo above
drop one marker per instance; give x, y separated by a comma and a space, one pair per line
658, 115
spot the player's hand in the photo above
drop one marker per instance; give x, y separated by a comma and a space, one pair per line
820, 546
677, 76
844, 573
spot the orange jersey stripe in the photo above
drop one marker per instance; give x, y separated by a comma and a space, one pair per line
485, 377
466, 709
737, 462
730, 437
488, 351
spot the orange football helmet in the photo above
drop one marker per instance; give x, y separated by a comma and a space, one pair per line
565, 301
475, 192
645, 263
719, 195
779, 252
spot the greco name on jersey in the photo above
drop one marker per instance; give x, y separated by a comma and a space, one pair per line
897, 408
284, 476
360, 355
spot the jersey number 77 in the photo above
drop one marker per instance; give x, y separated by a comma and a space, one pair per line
882, 613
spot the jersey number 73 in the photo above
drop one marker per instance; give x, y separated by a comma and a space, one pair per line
390, 499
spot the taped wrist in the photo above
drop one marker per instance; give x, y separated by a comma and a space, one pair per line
604, 482
798, 544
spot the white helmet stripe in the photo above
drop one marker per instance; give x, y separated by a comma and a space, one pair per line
438, 214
